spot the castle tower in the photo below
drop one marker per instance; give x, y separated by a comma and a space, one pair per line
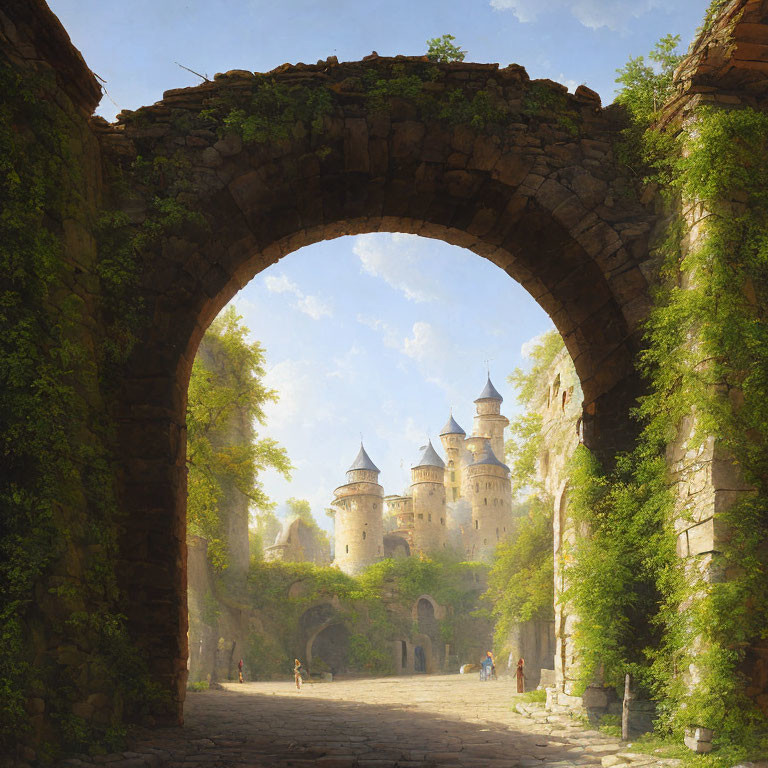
490, 492
452, 437
488, 421
358, 522
428, 492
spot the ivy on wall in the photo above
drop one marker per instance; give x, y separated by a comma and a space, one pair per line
56, 483
375, 606
684, 628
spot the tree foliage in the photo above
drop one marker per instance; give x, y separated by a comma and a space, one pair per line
646, 85
225, 455
521, 580
443, 50
524, 444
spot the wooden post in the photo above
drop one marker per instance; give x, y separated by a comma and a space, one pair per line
625, 709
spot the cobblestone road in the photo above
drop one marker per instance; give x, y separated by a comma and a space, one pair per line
435, 721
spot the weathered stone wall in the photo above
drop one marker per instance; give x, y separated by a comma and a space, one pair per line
534, 642
65, 679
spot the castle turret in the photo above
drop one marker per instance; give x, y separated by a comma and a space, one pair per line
488, 421
428, 492
489, 489
452, 437
358, 522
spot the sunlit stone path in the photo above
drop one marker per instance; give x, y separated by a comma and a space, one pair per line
449, 720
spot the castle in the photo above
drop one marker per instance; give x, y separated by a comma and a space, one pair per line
463, 502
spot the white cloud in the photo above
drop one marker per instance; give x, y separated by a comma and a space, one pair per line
399, 260
281, 284
301, 403
314, 307
388, 333
571, 85
594, 14
310, 305
424, 344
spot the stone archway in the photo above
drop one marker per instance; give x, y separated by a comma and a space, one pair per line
538, 193
329, 642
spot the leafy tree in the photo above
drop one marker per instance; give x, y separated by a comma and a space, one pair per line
524, 444
647, 85
442, 49
521, 580
224, 453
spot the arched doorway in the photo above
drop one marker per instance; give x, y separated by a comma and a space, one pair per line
532, 201
328, 649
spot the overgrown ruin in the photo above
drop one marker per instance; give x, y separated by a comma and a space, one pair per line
156, 221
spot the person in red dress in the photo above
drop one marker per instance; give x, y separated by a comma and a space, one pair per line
520, 676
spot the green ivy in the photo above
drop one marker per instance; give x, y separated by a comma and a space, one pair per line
706, 363
543, 100
55, 452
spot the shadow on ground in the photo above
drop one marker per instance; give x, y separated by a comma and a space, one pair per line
228, 728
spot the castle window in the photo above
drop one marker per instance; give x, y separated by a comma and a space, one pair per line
421, 516
429, 518
442, 521
347, 548
477, 524
497, 533
477, 487
485, 541
363, 535
485, 501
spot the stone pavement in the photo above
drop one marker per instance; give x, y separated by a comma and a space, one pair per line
448, 720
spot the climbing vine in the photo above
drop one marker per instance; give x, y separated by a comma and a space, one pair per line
55, 453
684, 626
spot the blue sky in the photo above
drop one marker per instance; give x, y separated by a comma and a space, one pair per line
376, 334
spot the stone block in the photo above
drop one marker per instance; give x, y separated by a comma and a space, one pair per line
698, 739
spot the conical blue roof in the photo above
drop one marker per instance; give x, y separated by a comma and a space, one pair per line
452, 428
487, 456
429, 458
490, 393
363, 461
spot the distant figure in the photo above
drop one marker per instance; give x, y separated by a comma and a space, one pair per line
297, 670
520, 676
488, 667
240, 670
419, 659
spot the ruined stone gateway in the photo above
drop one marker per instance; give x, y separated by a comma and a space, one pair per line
207, 187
